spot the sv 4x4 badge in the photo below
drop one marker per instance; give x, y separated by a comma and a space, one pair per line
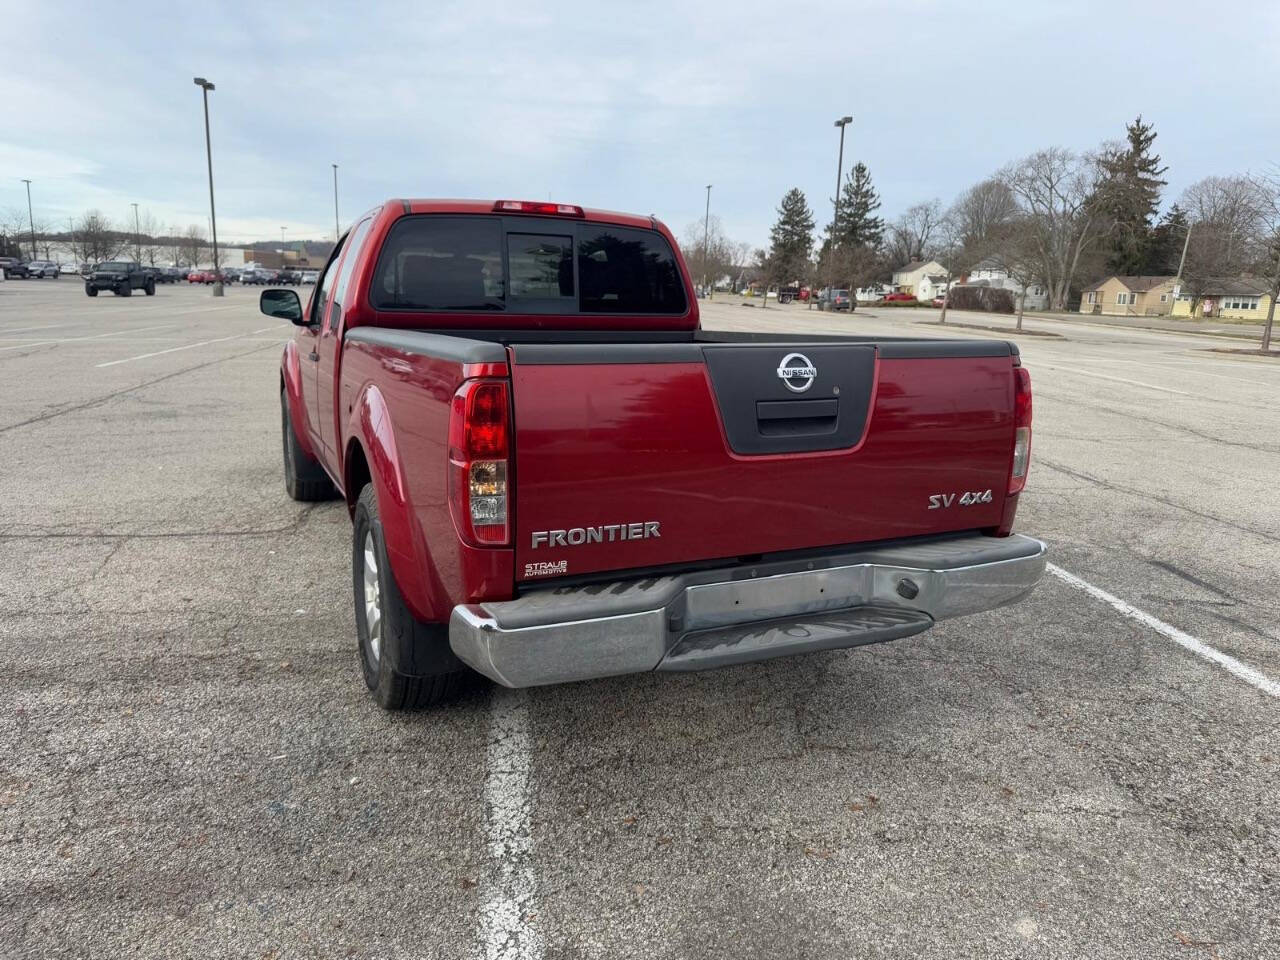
969, 498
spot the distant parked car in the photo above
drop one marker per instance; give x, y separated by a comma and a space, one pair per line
899, 297
289, 276
42, 269
834, 300
937, 302
309, 276
14, 267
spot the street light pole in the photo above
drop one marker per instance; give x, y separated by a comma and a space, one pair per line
35, 254
137, 235
335, 203
282, 229
835, 216
205, 86
706, 236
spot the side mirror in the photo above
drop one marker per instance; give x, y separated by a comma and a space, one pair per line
283, 304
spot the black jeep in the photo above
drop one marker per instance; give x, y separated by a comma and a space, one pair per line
122, 277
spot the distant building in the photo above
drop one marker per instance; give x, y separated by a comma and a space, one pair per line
300, 255
1232, 299
1129, 297
991, 273
923, 279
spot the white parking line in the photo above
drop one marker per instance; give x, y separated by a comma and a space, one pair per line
1195, 645
188, 346
1103, 376
505, 930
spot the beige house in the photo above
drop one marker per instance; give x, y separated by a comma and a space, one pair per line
1238, 299
1130, 297
924, 280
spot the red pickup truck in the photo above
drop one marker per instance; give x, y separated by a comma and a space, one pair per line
555, 474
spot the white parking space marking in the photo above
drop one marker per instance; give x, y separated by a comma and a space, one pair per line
1195, 645
505, 931
1103, 376
34, 343
186, 346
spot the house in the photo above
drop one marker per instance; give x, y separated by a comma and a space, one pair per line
1130, 297
992, 273
1238, 299
925, 280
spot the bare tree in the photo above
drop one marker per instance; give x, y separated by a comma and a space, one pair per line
152, 232
1227, 226
1267, 187
192, 244
1057, 192
911, 233
15, 233
707, 251
982, 216
1018, 256
96, 237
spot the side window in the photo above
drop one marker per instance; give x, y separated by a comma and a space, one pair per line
621, 270
325, 285
358, 236
431, 262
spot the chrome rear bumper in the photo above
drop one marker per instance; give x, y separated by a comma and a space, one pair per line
741, 614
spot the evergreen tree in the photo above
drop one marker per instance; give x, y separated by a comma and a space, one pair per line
791, 239
857, 223
1165, 250
1131, 196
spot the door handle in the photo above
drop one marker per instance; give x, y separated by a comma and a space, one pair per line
313, 356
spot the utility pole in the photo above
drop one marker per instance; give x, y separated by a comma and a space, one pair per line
35, 254
282, 229
706, 236
71, 241
835, 216
205, 86
137, 235
335, 203
1177, 281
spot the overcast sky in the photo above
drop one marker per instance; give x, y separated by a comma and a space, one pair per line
628, 106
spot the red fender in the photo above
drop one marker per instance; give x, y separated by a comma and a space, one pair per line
370, 426
291, 377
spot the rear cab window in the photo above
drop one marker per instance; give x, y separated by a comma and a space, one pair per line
525, 265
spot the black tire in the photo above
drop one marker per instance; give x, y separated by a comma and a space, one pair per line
149, 289
125, 290
304, 478
90, 291
412, 664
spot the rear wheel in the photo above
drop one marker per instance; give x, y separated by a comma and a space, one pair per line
125, 290
406, 663
90, 291
150, 289
304, 478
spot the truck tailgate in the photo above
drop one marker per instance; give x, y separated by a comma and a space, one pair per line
644, 455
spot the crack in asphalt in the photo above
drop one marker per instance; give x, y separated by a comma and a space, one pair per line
1155, 498
1177, 428
98, 401
287, 528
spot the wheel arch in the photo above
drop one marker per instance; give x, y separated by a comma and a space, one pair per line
291, 387
372, 456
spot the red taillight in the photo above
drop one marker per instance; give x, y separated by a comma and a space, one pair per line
479, 445
1022, 429
534, 206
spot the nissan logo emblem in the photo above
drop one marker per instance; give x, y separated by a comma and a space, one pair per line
797, 373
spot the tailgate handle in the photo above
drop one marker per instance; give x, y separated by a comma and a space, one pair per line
779, 418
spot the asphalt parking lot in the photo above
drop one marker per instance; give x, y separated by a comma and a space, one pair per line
192, 766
